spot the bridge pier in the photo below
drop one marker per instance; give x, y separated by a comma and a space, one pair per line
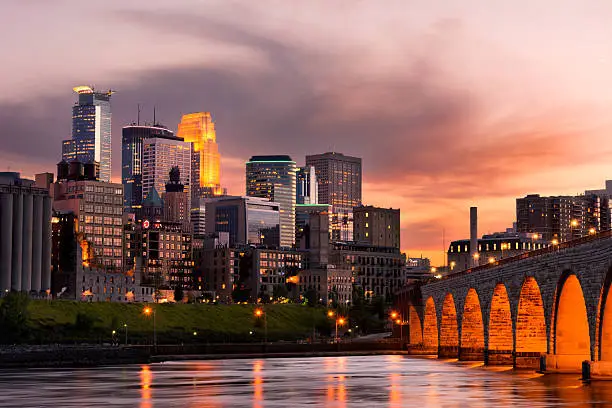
471, 354
499, 357
529, 360
448, 352
569, 363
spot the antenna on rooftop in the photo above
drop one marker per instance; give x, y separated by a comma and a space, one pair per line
153, 115
138, 117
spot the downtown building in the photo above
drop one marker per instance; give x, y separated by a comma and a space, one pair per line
562, 218
273, 178
159, 156
132, 164
247, 220
91, 131
307, 191
491, 248
377, 271
98, 210
199, 129
158, 251
25, 235
339, 184
74, 278
377, 226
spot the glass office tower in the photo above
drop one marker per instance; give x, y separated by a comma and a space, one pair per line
273, 178
339, 184
132, 160
91, 130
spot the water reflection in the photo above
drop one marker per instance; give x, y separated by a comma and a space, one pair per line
367, 381
145, 387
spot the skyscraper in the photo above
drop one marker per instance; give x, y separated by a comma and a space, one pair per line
132, 160
198, 128
91, 130
159, 156
273, 177
306, 185
339, 184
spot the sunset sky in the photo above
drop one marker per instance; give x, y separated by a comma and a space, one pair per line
449, 103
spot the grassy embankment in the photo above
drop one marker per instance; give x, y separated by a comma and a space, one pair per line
64, 321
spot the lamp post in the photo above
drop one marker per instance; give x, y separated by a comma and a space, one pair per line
126, 329
259, 313
148, 311
397, 319
339, 321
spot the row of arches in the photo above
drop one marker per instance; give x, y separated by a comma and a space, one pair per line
516, 335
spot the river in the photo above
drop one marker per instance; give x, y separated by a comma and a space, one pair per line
365, 381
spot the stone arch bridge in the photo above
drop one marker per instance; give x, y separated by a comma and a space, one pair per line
551, 302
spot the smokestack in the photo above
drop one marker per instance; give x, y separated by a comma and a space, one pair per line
474, 233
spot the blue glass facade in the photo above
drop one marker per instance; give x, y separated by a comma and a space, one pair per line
132, 161
91, 130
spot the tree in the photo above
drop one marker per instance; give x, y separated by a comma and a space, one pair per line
311, 297
178, 294
280, 291
14, 317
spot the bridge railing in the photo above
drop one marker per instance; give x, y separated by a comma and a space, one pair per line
531, 254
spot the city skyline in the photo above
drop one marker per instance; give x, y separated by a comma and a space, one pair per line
500, 124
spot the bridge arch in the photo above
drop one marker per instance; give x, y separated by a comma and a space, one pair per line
501, 337
414, 326
449, 330
430, 327
572, 340
472, 329
604, 329
530, 332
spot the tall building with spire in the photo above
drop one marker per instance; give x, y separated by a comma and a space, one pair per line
199, 129
91, 130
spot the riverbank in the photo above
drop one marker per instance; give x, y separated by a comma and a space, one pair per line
67, 322
94, 355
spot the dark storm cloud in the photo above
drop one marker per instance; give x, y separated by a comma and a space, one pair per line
414, 125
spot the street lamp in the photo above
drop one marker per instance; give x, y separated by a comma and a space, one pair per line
491, 259
259, 312
148, 311
476, 258
592, 231
126, 328
339, 321
397, 319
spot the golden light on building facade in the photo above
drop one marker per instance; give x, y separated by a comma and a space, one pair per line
198, 128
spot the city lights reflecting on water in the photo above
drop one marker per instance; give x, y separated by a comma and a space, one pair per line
391, 381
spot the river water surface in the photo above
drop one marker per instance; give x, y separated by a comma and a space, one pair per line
366, 381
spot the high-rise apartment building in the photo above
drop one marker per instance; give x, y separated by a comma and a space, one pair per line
159, 156
98, 209
132, 142
91, 130
339, 184
198, 128
273, 178
306, 185
248, 220
562, 218
377, 226
25, 235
